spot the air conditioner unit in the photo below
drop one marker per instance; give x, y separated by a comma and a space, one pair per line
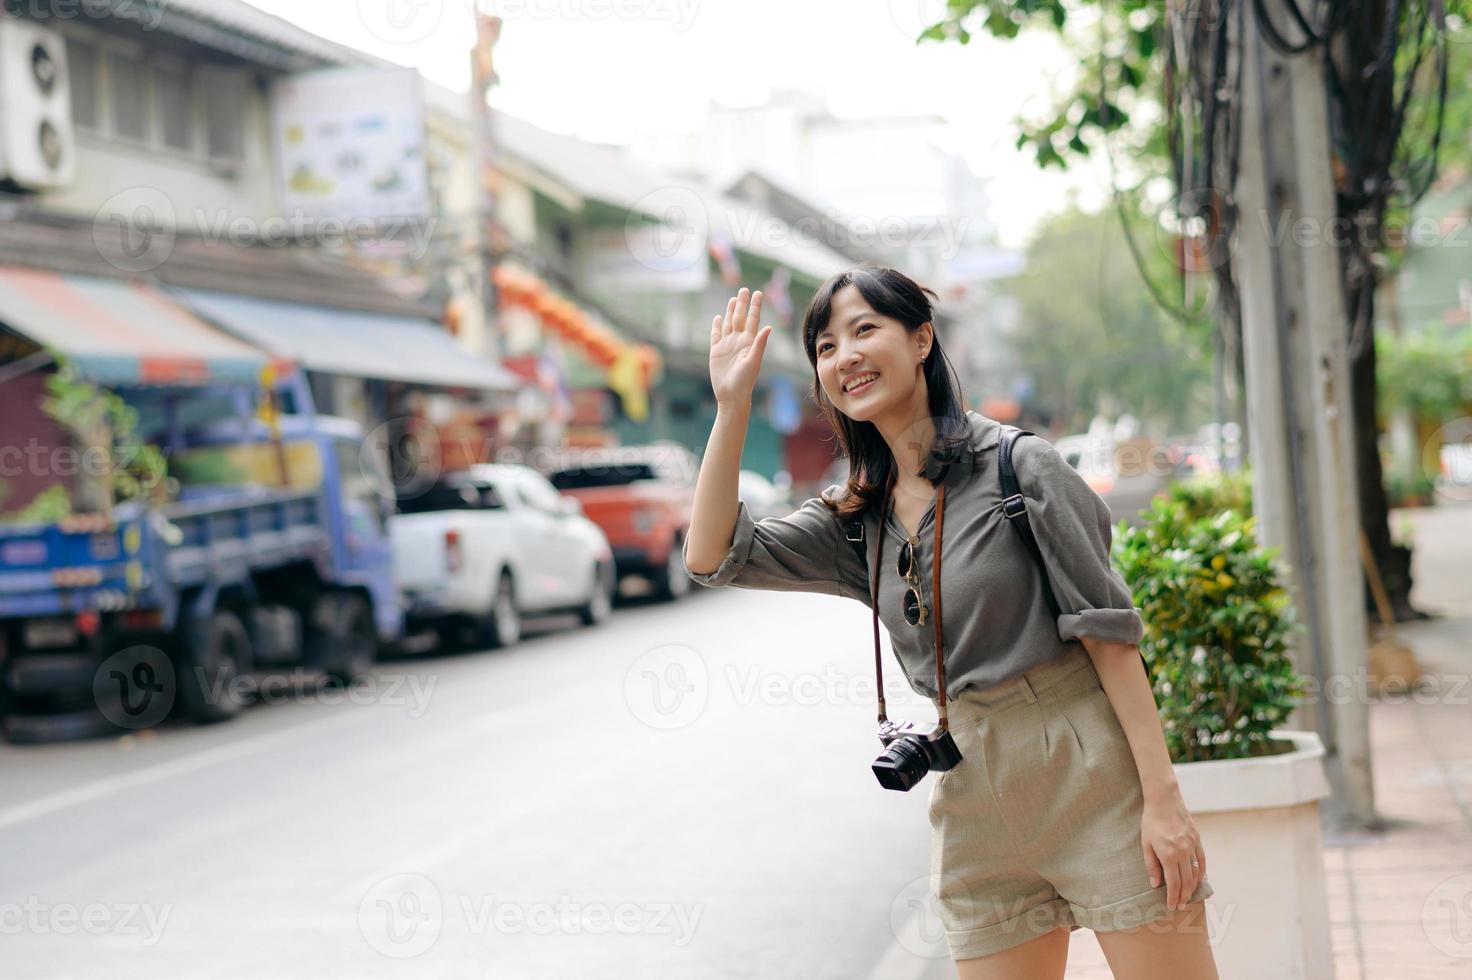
37, 146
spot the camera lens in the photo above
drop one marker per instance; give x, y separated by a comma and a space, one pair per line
902, 765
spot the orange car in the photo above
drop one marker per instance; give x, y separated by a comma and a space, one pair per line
641, 496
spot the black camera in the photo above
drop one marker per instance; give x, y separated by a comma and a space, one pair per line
910, 751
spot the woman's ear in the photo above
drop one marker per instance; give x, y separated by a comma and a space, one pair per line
924, 337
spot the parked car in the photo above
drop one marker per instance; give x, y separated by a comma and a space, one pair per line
641, 496
762, 497
1092, 457
483, 546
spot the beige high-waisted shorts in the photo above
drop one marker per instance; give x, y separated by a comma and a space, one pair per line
1038, 826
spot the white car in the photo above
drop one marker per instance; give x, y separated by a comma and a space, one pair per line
484, 545
763, 498
1093, 457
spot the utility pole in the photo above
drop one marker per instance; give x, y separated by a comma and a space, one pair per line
1298, 387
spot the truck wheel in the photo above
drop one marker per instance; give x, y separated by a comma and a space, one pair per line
600, 604
209, 681
502, 628
353, 645
671, 582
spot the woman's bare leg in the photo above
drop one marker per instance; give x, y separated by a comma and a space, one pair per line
1176, 946
1042, 958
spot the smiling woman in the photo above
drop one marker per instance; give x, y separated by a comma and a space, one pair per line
1053, 720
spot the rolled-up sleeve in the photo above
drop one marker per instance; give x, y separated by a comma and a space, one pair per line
1073, 528
802, 552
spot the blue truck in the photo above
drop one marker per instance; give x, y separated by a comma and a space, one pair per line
270, 555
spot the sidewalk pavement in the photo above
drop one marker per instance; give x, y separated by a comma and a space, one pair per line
1400, 895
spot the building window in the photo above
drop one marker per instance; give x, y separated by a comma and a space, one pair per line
175, 107
224, 105
128, 86
81, 59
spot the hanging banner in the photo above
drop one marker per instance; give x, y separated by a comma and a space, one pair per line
350, 144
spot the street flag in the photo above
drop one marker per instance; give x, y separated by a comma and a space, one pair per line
775, 293
725, 256
552, 378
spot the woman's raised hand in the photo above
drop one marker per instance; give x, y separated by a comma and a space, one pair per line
736, 347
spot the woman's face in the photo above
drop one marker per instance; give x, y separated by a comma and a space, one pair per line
859, 344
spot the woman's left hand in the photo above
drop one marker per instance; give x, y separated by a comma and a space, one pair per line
1171, 845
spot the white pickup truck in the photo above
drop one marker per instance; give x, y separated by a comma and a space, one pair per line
481, 547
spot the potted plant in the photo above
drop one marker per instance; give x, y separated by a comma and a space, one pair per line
1218, 628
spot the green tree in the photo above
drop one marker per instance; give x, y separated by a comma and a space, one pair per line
1091, 330
1158, 92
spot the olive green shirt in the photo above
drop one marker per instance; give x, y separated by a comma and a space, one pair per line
994, 615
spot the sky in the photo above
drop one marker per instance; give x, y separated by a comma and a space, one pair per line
609, 70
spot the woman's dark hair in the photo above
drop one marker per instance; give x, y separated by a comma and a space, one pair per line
895, 295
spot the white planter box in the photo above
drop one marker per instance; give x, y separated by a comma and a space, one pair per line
1258, 818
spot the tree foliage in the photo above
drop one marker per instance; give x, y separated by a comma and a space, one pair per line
1092, 333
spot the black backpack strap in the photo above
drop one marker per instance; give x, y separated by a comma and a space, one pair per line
853, 531
1014, 506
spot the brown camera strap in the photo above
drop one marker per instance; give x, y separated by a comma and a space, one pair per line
940, 659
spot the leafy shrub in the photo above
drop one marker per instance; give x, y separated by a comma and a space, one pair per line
1209, 495
47, 507
1217, 628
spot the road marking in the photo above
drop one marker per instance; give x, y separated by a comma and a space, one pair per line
106, 786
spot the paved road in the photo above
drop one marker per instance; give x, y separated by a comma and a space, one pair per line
682, 792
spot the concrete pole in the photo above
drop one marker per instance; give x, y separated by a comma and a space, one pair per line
1295, 345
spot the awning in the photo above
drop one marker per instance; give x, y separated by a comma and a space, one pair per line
361, 345
118, 332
